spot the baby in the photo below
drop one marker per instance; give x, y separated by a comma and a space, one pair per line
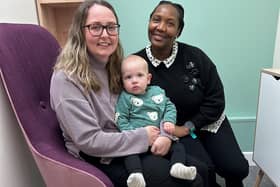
140, 105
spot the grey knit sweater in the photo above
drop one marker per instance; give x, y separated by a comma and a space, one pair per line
87, 120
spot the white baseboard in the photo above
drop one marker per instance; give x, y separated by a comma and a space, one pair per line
249, 157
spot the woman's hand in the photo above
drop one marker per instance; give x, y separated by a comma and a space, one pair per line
153, 133
181, 131
161, 146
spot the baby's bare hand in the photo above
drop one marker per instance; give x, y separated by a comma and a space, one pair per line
169, 127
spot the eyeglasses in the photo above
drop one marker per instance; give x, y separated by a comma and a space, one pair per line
97, 29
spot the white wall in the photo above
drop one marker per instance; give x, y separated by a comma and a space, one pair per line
17, 167
276, 59
18, 11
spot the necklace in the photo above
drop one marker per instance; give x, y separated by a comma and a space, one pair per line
168, 61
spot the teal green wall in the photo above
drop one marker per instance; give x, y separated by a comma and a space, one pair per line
237, 35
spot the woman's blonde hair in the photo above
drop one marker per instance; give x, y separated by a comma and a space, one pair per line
74, 58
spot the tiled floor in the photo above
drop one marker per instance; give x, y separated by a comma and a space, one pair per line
250, 180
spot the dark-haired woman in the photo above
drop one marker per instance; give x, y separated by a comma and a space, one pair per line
191, 81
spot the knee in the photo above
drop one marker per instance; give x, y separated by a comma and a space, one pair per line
237, 171
243, 170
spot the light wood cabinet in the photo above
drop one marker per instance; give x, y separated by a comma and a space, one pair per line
56, 16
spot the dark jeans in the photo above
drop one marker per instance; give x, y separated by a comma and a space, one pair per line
155, 170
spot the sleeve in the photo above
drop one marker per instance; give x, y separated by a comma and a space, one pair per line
170, 111
163, 133
80, 125
122, 112
169, 114
213, 103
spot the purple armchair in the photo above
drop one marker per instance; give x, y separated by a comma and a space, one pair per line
27, 55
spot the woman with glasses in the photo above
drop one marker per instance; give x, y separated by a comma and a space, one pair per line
84, 87
192, 83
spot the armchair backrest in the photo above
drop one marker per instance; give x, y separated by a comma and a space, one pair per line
27, 55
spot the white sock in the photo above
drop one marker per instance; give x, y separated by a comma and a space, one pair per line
179, 170
136, 180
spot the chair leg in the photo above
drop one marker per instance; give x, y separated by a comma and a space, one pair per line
259, 178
